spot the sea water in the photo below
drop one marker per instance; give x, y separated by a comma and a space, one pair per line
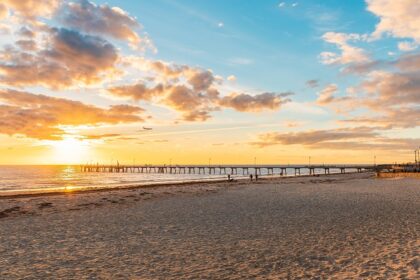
47, 178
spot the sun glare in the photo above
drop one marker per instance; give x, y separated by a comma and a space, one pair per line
69, 150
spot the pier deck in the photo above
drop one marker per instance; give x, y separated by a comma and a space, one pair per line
227, 169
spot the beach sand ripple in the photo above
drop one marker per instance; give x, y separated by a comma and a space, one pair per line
335, 227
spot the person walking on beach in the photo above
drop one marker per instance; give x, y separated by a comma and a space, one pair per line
250, 177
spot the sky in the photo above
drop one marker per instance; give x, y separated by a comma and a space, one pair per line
183, 81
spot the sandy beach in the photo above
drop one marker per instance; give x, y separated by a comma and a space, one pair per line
335, 227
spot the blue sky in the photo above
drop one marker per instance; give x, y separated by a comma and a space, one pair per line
265, 46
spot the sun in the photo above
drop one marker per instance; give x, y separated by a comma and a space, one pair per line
69, 150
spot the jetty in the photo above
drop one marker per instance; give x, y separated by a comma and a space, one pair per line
281, 170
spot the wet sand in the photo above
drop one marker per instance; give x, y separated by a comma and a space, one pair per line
338, 227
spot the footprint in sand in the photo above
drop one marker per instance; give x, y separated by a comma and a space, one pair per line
5, 213
44, 205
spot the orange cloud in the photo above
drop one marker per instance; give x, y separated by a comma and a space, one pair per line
349, 54
391, 89
397, 18
392, 93
197, 98
201, 80
187, 90
69, 58
3, 11
101, 136
31, 9
407, 46
137, 92
40, 116
326, 95
401, 117
361, 138
193, 92
167, 70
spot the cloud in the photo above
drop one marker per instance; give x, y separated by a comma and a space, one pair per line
312, 83
79, 53
291, 124
104, 20
68, 58
27, 45
381, 91
387, 93
255, 103
100, 136
391, 99
387, 89
87, 54
407, 46
315, 136
396, 18
3, 11
193, 105
220, 24
364, 67
189, 91
363, 138
390, 144
30, 9
167, 70
396, 118
193, 92
194, 116
201, 80
231, 78
194, 101
349, 54
327, 95
182, 98
281, 5
409, 63
137, 92
160, 141
4, 29
41, 116
26, 32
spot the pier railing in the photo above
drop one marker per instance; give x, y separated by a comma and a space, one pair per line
281, 170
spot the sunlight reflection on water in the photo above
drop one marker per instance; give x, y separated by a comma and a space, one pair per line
69, 178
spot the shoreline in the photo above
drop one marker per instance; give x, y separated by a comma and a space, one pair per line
157, 185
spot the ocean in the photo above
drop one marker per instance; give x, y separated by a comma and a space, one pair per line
48, 178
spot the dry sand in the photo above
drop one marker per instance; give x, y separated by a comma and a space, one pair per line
335, 227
